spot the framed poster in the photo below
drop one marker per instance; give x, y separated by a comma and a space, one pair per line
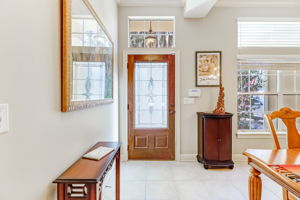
208, 68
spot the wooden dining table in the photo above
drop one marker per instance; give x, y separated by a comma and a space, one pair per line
282, 166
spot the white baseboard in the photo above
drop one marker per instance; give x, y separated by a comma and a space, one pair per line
239, 158
124, 157
192, 157
188, 157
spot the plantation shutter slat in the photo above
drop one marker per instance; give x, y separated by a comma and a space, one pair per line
269, 33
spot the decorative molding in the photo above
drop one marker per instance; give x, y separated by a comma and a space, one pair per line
147, 3
258, 4
192, 157
220, 3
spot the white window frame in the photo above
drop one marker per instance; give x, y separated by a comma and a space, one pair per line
265, 133
148, 18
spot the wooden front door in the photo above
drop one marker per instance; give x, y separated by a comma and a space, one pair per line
151, 107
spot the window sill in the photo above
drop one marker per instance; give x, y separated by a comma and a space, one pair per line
259, 135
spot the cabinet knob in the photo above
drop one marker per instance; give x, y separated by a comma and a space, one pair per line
219, 139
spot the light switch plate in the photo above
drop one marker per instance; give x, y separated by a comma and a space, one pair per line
194, 92
4, 118
188, 100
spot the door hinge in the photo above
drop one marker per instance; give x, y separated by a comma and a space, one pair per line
127, 147
127, 106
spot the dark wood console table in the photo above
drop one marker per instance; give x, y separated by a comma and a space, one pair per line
83, 180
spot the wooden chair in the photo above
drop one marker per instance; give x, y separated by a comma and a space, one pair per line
289, 117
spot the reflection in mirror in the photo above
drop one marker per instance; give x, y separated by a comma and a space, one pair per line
90, 68
91, 56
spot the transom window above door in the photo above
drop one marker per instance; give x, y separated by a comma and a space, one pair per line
151, 32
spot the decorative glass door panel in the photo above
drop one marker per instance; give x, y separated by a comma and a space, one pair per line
151, 95
151, 107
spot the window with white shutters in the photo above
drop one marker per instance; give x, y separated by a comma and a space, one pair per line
269, 32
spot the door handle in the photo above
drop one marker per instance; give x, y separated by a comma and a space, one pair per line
172, 112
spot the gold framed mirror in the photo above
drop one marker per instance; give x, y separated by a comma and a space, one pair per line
87, 57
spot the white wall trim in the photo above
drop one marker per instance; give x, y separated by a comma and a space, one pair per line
259, 135
192, 157
123, 97
188, 157
282, 58
150, 4
258, 4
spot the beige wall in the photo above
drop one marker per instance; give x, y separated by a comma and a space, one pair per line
217, 31
42, 141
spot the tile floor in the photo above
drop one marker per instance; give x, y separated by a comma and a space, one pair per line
172, 180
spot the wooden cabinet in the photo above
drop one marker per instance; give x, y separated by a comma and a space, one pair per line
215, 140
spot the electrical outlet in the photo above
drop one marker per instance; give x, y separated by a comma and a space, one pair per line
4, 118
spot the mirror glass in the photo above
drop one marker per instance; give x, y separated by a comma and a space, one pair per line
91, 58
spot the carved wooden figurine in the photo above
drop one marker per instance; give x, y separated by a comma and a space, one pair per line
220, 109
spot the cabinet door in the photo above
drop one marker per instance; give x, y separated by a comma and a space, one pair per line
210, 139
224, 139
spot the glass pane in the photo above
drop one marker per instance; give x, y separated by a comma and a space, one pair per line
171, 41
166, 26
160, 36
89, 40
137, 41
258, 81
287, 81
77, 25
271, 103
298, 102
257, 103
136, 26
77, 39
244, 120
271, 82
90, 26
88, 81
257, 120
163, 43
243, 81
151, 95
290, 101
243, 103
298, 81
151, 41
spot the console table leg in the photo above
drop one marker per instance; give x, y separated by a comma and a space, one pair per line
118, 176
60, 191
254, 184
